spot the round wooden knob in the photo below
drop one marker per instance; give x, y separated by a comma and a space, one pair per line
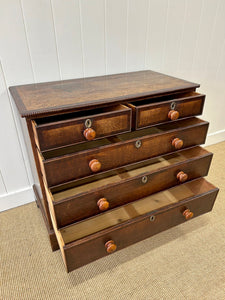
177, 143
182, 177
110, 246
89, 134
95, 165
103, 204
173, 115
188, 214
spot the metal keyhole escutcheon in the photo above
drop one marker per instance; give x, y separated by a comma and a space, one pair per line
138, 144
152, 218
88, 123
173, 105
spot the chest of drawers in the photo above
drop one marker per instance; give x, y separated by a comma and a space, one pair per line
117, 159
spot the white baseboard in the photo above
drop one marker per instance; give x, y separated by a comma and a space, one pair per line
17, 198
215, 137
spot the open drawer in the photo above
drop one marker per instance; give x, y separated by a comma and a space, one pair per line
75, 162
159, 110
96, 237
85, 199
67, 129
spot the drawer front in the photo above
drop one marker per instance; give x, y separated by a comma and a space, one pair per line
71, 167
61, 133
90, 248
156, 113
95, 201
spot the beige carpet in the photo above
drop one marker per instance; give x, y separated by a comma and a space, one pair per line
186, 262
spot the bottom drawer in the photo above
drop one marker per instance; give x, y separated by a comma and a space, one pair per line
96, 237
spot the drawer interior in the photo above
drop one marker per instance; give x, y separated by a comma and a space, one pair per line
164, 98
80, 114
138, 169
122, 137
132, 210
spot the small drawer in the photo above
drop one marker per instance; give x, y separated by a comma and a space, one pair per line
72, 163
68, 129
128, 184
96, 237
154, 111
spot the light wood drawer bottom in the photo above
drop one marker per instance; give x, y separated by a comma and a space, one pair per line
85, 241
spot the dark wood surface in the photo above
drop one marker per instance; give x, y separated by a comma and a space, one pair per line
43, 199
55, 133
156, 113
90, 248
35, 100
56, 113
130, 189
76, 165
50, 231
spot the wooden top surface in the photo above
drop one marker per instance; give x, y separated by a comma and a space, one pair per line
42, 99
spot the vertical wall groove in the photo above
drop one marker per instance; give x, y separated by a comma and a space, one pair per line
147, 34
127, 33
210, 39
220, 62
197, 37
182, 35
15, 124
105, 38
56, 43
3, 183
164, 44
28, 45
81, 37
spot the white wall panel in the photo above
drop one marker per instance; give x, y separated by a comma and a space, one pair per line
2, 185
214, 61
93, 35
41, 39
174, 35
14, 51
66, 16
136, 39
207, 20
156, 33
116, 30
45, 40
189, 37
12, 164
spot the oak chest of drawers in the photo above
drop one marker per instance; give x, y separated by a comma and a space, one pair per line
117, 157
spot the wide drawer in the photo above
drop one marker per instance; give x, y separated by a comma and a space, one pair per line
129, 184
62, 130
156, 110
75, 162
96, 237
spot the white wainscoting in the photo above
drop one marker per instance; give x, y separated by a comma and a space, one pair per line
46, 40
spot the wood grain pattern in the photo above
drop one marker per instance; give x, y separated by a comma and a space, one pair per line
149, 114
82, 202
154, 142
78, 253
51, 232
60, 96
40, 171
54, 132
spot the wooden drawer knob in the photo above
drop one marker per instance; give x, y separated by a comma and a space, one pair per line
177, 143
110, 246
188, 214
103, 204
89, 134
95, 165
173, 115
182, 177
